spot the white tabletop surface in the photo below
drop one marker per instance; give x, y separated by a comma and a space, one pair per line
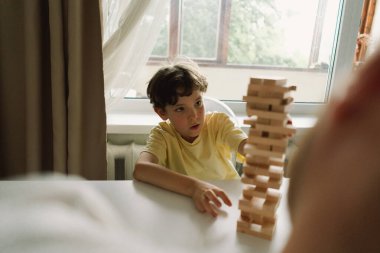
122, 216
169, 222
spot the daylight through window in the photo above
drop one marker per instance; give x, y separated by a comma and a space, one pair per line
232, 40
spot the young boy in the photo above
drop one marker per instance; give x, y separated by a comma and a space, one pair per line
189, 146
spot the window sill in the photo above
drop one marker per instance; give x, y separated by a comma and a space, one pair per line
131, 123
142, 123
136, 116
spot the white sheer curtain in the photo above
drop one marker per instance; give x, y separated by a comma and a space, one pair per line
130, 30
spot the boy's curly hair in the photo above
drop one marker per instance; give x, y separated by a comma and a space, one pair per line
174, 81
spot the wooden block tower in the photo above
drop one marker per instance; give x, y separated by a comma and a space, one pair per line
268, 102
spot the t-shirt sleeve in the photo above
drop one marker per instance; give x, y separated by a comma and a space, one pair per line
157, 145
228, 132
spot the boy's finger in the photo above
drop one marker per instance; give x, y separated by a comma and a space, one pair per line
210, 196
209, 209
199, 206
224, 197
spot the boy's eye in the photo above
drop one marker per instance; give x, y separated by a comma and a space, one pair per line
179, 109
199, 103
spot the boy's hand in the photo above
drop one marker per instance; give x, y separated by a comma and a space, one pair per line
206, 198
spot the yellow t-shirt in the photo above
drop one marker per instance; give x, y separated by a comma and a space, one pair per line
208, 157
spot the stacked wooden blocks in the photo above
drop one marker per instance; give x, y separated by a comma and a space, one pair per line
268, 102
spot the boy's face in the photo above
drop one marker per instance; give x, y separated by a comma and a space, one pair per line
187, 115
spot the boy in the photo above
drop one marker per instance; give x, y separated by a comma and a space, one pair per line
189, 146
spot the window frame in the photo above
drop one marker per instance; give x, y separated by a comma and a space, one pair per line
223, 33
345, 41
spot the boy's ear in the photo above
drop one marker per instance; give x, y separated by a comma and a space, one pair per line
161, 112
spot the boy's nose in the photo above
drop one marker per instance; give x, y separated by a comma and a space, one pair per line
193, 113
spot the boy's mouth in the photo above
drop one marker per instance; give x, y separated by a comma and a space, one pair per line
195, 127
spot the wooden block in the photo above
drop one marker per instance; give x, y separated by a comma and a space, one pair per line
251, 191
257, 160
283, 142
280, 108
281, 128
246, 219
259, 206
262, 166
252, 121
274, 122
249, 175
255, 133
269, 81
256, 80
262, 181
249, 218
269, 108
285, 130
266, 114
263, 121
264, 231
278, 149
262, 107
275, 172
263, 147
266, 153
268, 101
267, 93
270, 194
276, 89
270, 94
253, 150
276, 135
253, 93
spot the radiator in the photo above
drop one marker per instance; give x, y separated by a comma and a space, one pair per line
121, 160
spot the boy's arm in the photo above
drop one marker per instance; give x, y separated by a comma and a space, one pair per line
241, 147
204, 195
148, 170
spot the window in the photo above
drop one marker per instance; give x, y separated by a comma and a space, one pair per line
194, 27
307, 42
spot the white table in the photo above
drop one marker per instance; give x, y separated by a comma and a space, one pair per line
169, 222
122, 216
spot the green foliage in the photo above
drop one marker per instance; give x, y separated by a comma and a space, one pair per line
162, 45
199, 31
256, 34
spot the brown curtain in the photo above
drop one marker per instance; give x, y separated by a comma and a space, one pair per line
52, 109
366, 20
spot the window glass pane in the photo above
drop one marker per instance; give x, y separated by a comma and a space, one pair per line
161, 47
328, 31
199, 28
272, 32
293, 39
